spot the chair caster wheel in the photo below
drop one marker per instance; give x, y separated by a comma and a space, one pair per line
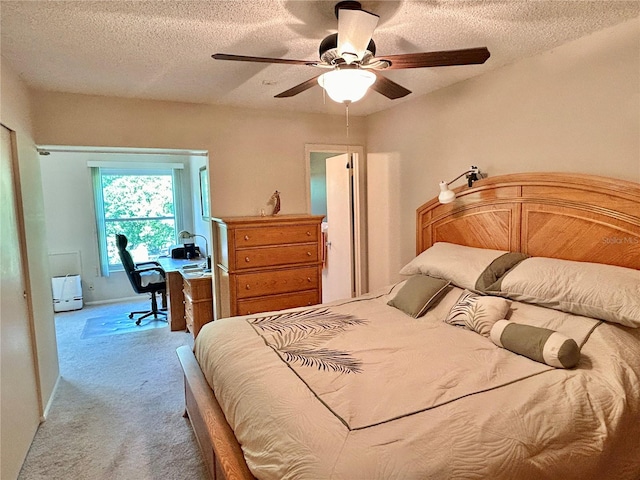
137, 322
130, 316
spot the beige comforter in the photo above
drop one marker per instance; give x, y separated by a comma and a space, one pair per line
359, 390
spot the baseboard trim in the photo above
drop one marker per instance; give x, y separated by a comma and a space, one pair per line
47, 407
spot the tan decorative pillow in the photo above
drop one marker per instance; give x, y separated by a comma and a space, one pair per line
477, 312
593, 290
466, 267
418, 294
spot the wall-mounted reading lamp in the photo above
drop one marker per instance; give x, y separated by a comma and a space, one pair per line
185, 234
447, 196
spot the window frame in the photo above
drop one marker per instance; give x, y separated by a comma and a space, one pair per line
98, 169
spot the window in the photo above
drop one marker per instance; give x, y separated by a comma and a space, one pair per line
143, 205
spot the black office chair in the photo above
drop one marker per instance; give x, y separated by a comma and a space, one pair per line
134, 271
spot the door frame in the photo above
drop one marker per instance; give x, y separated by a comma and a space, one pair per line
360, 267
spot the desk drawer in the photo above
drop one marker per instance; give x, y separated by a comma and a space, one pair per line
189, 323
198, 288
250, 285
188, 309
276, 256
258, 236
277, 302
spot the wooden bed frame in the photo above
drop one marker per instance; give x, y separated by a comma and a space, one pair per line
570, 216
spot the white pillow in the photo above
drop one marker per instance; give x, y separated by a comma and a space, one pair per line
459, 264
593, 290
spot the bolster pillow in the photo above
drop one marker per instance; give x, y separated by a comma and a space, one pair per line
539, 344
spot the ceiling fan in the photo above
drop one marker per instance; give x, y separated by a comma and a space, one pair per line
349, 55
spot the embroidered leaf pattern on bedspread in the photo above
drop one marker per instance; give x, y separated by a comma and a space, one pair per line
299, 337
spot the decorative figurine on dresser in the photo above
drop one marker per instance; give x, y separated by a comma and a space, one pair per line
275, 199
266, 263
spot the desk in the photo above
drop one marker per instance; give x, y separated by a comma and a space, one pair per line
189, 296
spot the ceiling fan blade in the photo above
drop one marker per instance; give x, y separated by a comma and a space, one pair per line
388, 88
299, 88
243, 58
444, 58
355, 29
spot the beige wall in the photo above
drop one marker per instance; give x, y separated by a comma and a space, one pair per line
251, 152
15, 113
200, 226
572, 109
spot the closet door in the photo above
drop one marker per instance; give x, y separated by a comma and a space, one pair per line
19, 406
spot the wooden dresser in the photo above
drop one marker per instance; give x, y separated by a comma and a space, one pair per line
267, 263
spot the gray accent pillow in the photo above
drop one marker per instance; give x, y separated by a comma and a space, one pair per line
539, 344
497, 269
418, 294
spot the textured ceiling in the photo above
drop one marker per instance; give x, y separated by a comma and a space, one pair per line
162, 50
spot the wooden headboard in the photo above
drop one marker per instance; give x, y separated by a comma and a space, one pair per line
570, 216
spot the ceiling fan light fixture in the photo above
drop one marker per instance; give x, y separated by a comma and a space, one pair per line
352, 48
346, 85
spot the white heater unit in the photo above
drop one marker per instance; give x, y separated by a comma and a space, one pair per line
67, 293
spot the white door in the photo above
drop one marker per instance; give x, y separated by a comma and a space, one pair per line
337, 275
20, 410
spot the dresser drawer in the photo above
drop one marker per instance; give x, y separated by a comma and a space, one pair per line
254, 237
277, 281
277, 302
276, 256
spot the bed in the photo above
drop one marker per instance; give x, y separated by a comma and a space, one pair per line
373, 388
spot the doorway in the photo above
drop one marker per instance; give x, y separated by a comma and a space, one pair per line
336, 189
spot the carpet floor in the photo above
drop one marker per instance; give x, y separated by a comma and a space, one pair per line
117, 410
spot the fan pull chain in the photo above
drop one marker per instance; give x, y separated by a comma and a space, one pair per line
347, 114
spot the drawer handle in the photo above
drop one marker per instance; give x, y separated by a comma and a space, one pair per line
246, 237
246, 259
308, 279
308, 233
308, 254
248, 287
